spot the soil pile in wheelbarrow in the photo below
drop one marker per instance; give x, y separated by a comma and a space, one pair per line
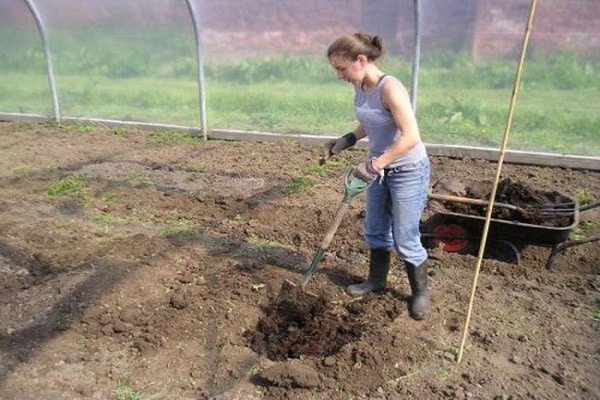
527, 205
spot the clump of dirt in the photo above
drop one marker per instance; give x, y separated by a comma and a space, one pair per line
301, 324
527, 204
291, 374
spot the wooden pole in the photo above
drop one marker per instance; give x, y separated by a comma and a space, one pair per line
490, 207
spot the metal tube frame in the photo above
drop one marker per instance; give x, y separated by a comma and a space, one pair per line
195, 15
416, 55
48, 56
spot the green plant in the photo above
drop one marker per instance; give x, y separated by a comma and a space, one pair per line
461, 102
192, 168
320, 168
108, 218
443, 373
121, 131
53, 166
109, 198
24, 170
584, 229
584, 197
260, 243
299, 184
395, 381
595, 313
173, 137
273, 69
139, 179
180, 232
74, 186
180, 227
124, 391
81, 127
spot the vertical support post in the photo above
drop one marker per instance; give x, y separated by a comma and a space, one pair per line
195, 14
416, 56
48, 56
505, 137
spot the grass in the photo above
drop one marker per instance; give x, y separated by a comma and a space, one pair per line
75, 186
595, 314
152, 77
299, 184
443, 373
181, 228
462, 116
161, 138
584, 197
126, 391
24, 170
139, 179
109, 218
320, 169
258, 243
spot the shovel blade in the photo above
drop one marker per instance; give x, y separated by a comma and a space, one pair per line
313, 267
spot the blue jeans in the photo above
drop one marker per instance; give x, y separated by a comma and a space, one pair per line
394, 208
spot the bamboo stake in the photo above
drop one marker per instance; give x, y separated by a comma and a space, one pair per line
497, 178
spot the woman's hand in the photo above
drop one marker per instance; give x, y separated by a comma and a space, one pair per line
367, 171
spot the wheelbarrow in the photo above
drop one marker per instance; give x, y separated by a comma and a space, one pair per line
461, 233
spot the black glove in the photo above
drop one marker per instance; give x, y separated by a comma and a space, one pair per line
335, 146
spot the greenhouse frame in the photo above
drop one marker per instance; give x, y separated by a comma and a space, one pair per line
239, 70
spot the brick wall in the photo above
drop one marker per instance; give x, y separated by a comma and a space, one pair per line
557, 24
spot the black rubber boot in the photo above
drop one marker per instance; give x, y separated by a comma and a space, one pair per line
379, 266
417, 277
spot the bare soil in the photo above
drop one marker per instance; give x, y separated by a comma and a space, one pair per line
167, 278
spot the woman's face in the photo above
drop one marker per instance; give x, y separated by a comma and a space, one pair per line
346, 69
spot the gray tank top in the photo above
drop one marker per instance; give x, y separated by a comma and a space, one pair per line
380, 126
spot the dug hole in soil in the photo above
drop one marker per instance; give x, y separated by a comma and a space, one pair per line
167, 273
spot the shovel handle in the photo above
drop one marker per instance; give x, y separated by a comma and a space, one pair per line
325, 243
353, 185
468, 200
339, 215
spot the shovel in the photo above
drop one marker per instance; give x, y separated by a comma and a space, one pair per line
353, 186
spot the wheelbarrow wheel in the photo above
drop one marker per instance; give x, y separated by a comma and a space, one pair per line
452, 238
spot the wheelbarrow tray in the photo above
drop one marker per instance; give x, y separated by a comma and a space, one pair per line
511, 231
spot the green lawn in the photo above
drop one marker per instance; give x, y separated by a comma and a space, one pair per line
458, 103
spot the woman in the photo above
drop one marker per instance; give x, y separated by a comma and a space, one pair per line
397, 163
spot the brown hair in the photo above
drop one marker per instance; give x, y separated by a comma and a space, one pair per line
351, 46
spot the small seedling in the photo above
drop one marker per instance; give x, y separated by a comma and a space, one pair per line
109, 198
318, 169
299, 184
124, 391
74, 186
595, 314
584, 197
443, 373
140, 179
23, 170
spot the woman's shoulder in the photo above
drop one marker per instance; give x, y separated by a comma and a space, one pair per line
394, 80
392, 83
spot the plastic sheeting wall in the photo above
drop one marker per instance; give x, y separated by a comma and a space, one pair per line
135, 60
